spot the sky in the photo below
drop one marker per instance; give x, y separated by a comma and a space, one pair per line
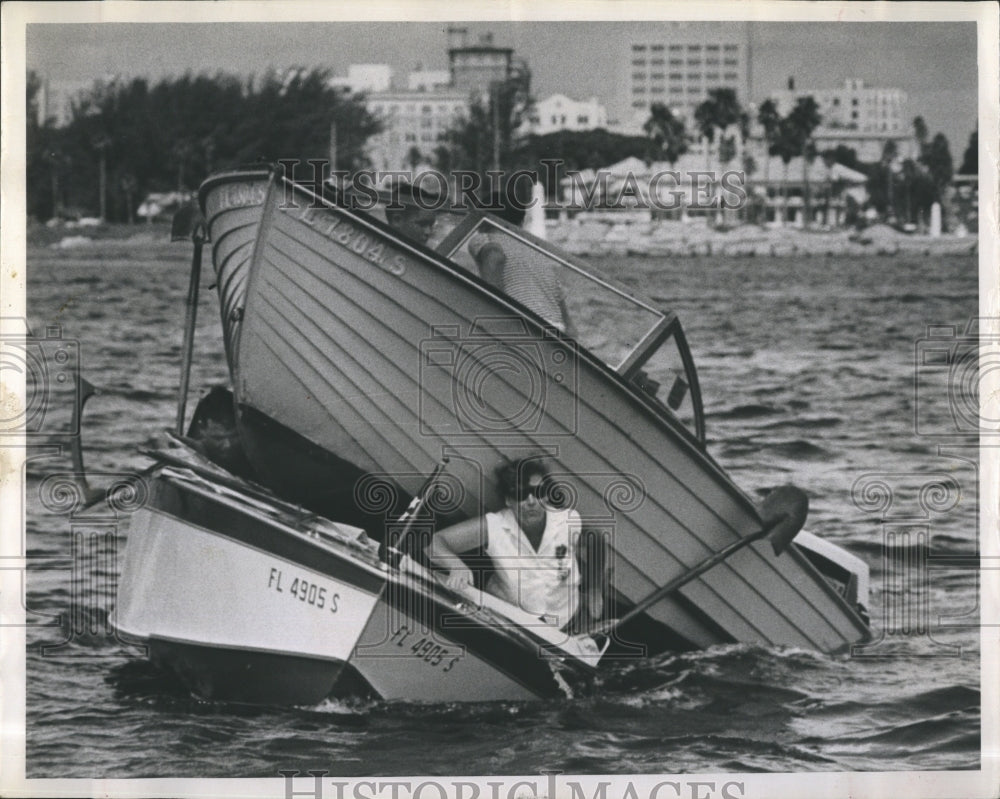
934, 62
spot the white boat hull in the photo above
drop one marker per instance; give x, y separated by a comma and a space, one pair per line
241, 607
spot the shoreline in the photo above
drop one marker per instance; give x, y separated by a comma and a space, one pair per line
590, 237
679, 239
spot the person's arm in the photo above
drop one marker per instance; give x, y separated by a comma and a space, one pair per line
491, 261
445, 546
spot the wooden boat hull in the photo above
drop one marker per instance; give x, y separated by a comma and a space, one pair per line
233, 204
353, 346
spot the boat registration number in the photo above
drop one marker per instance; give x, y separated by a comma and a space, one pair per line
426, 649
305, 591
359, 242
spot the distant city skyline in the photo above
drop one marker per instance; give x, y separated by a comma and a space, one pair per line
935, 63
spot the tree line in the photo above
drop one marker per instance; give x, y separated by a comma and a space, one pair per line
125, 139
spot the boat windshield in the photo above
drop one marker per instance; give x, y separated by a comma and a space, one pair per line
608, 321
642, 343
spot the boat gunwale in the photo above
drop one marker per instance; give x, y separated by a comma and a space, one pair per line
411, 580
476, 617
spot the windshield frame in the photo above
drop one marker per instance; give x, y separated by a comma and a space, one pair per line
670, 328
666, 327
465, 229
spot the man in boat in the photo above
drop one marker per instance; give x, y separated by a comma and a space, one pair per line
537, 551
411, 219
518, 271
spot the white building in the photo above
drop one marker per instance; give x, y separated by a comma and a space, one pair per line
414, 125
853, 107
560, 112
861, 117
365, 78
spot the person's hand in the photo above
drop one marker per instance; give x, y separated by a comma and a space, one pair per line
459, 578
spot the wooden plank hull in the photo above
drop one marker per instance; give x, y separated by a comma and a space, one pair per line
233, 204
391, 357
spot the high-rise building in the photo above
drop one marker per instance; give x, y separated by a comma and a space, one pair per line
854, 115
678, 63
474, 68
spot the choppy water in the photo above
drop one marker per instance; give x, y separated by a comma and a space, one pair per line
808, 373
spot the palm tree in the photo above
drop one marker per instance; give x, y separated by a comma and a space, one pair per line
717, 113
786, 147
940, 167
889, 153
920, 133
770, 121
804, 118
667, 134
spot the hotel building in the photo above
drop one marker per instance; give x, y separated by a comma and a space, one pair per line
415, 121
861, 117
678, 63
412, 122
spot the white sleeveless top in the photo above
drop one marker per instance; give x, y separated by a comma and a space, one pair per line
545, 582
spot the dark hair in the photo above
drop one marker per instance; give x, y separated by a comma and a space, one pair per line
513, 476
410, 197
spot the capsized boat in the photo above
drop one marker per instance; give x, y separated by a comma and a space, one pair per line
363, 353
250, 599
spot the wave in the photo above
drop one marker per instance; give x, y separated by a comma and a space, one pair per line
751, 411
801, 450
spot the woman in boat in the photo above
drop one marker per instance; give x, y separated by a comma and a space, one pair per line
536, 550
